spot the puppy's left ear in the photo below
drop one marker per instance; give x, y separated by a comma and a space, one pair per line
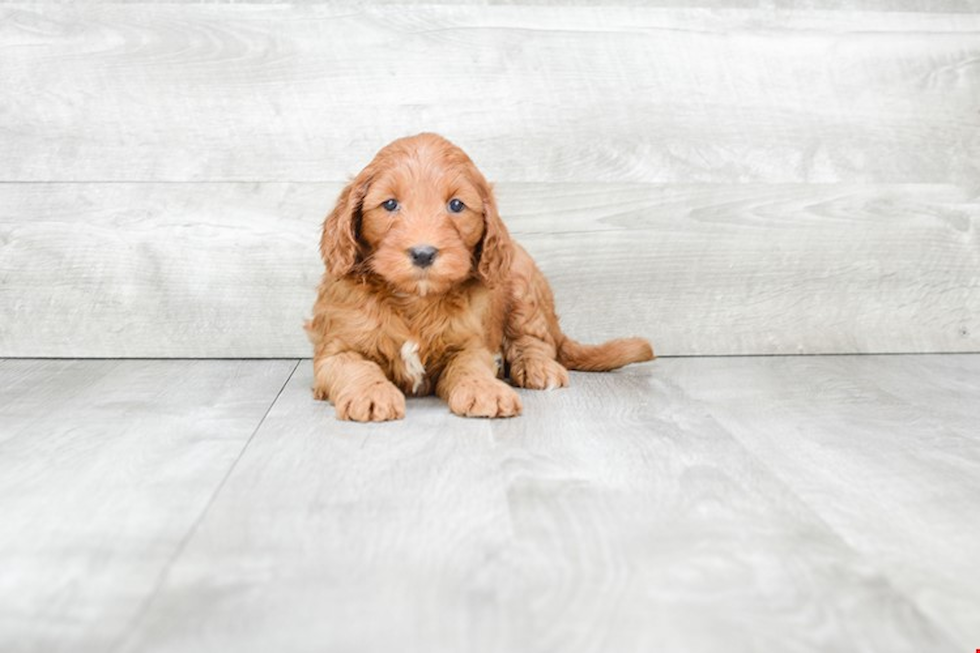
496, 250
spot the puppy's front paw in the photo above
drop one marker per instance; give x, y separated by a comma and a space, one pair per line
538, 373
375, 403
484, 398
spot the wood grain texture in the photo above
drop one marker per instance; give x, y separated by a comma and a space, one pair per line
885, 450
105, 466
687, 505
241, 92
615, 516
937, 6
396, 526
229, 270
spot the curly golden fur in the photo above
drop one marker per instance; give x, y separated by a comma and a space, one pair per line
425, 291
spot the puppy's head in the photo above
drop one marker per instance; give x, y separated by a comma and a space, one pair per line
421, 217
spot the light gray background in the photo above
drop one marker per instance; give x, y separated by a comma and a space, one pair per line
722, 177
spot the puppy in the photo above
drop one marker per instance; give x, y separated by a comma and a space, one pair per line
424, 291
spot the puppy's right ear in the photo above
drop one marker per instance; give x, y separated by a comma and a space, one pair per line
338, 243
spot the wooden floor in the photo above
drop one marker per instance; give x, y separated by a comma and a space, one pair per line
690, 505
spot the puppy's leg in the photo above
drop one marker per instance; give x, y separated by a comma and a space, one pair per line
470, 386
532, 331
538, 353
533, 363
358, 388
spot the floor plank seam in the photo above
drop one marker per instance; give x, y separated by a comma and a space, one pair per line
840, 354
144, 608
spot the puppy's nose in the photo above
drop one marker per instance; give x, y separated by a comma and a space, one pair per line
423, 255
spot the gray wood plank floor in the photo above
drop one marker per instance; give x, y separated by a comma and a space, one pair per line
104, 468
737, 504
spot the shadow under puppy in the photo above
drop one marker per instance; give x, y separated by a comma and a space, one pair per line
424, 291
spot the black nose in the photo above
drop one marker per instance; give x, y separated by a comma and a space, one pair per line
423, 255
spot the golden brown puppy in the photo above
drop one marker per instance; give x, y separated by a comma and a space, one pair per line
424, 290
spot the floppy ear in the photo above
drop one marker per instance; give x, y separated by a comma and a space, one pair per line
338, 243
496, 252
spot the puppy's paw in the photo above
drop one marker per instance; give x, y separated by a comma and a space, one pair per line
484, 398
375, 403
538, 373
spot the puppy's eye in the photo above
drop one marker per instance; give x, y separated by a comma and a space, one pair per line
390, 205
456, 206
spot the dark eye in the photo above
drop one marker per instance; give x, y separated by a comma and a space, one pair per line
390, 205
456, 206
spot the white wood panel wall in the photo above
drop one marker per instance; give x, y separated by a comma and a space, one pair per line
739, 177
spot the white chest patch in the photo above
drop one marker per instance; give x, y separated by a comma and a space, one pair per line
413, 364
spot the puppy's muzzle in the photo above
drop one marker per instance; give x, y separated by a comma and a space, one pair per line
422, 255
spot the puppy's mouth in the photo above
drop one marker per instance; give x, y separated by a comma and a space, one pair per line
423, 282
426, 282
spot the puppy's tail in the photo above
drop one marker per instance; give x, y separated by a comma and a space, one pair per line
607, 356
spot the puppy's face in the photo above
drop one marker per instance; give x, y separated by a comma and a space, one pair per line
421, 221
421, 217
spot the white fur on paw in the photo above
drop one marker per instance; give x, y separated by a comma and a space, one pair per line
413, 364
